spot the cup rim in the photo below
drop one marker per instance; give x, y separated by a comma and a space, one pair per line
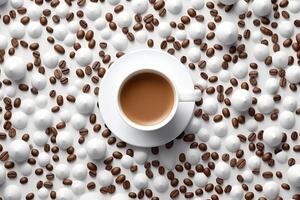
162, 123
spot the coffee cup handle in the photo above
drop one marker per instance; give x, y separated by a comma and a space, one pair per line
190, 96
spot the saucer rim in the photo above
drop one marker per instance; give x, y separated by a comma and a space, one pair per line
183, 107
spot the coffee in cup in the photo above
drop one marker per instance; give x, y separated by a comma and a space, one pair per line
147, 98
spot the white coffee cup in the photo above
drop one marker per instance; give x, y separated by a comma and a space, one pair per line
179, 96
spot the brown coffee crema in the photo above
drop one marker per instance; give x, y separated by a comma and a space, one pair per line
147, 98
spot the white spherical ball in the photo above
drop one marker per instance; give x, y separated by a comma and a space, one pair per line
123, 19
19, 151
64, 140
62, 10
293, 175
251, 125
120, 42
17, 3
113, 2
254, 162
126, 161
220, 129
203, 135
196, 30
193, 126
40, 138
280, 59
203, 83
92, 195
232, 143
194, 54
224, 76
93, 10
286, 29
74, 26
105, 33
38, 81
60, 31
262, 7
81, 153
256, 36
96, 148
289, 103
120, 195
70, 40
180, 35
228, 2
287, 119
16, 30
43, 119
50, 59
43, 193
19, 120
272, 136
140, 181
265, 103
43, 159
15, 68
241, 100
85, 103
3, 42
174, 6
12, 192
161, 184
139, 6
141, 36
78, 187
272, 85
34, 29
294, 6
140, 156
281, 157
2, 175
73, 90
193, 156
227, 33
10, 90
200, 179
240, 70
248, 176
62, 171
78, 121
214, 64
64, 194
222, 170
240, 7
214, 142
105, 178
261, 52
271, 190
84, 56
210, 105
79, 171
100, 24
292, 74
25, 169
197, 4
41, 101
34, 11
236, 192
164, 29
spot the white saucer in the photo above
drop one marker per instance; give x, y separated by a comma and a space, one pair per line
121, 68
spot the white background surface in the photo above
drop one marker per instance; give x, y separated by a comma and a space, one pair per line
167, 157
